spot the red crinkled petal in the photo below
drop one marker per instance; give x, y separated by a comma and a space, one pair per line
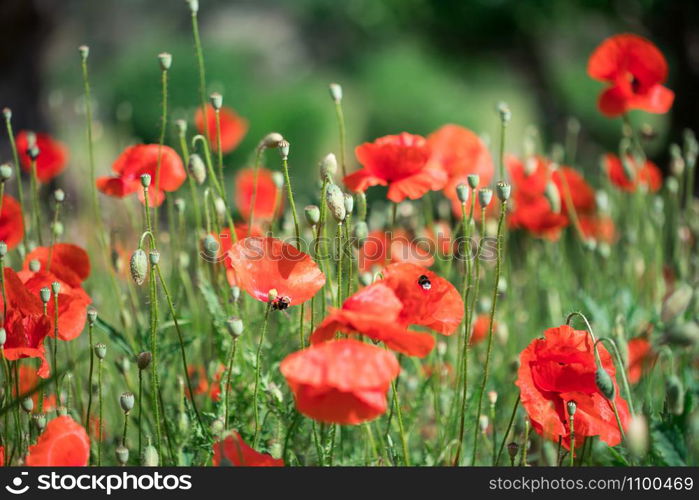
234, 451
69, 263
267, 201
11, 223
233, 127
64, 443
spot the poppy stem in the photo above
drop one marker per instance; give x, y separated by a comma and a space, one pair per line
231, 359
525, 444
339, 263
486, 368
140, 409
622, 371
36, 211
55, 347
253, 199
154, 363
219, 151
126, 428
192, 188
290, 194
401, 429
161, 139
571, 452
99, 405
202, 71
341, 126
90, 327
15, 158
268, 308
507, 431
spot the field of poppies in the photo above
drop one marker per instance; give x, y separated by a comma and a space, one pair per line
443, 301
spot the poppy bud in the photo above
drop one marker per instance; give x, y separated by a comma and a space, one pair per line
126, 401
270, 141
361, 205
284, 149
278, 179
483, 423
3, 336
62, 411
7, 113
503, 190
272, 295
637, 435
462, 192
91, 316
33, 152
235, 293
217, 427
473, 180
312, 214
676, 303
366, 278
672, 185
684, 334
604, 382
349, 203
181, 126
28, 404
336, 202
138, 266
216, 100
328, 166
512, 450
101, 350
59, 195
572, 407
484, 197
211, 246
165, 59
57, 228
196, 168
553, 196
84, 52
34, 265
154, 257
123, 364
220, 207
40, 421
145, 180
492, 397
149, 458
45, 294
3, 249
183, 422
674, 391
235, 327
361, 233
504, 111
180, 205
143, 360
122, 454
5, 172
335, 92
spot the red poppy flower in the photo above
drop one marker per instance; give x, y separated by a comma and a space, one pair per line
141, 159
440, 236
342, 381
264, 264
2, 456
428, 300
267, 194
52, 158
648, 175
480, 328
69, 263
399, 162
233, 127
11, 223
381, 248
64, 443
201, 381
561, 368
234, 451
226, 242
634, 68
598, 228
374, 311
459, 152
640, 357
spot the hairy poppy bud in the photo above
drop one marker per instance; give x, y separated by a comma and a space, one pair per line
3, 249
361, 233
284, 149
3, 336
7, 113
674, 391
272, 295
220, 207
366, 278
101, 350
683, 334
122, 455
328, 166
91, 316
138, 266
165, 60
126, 401
28, 404
312, 214
484, 197
335, 91
181, 126
462, 192
154, 257
483, 423
143, 360
45, 294
604, 383
572, 408
5, 172
196, 168
504, 112
473, 180
34, 265
553, 196
676, 303
40, 421
149, 458
216, 100
145, 180
361, 205
271, 140
349, 203
336, 202
503, 190
211, 246
235, 327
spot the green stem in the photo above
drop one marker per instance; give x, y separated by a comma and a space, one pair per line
15, 157
219, 151
253, 199
161, 139
507, 431
401, 429
341, 126
290, 194
202, 72
268, 307
100, 427
35, 202
231, 358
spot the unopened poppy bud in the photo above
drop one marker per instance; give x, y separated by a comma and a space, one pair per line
56, 287
57, 228
5, 172
271, 141
604, 383
211, 246
216, 100
145, 180
335, 91
312, 214
149, 458
123, 364
196, 168
361, 205
45, 294
328, 166
91, 316
349, 203
3, 249
101, 350
503, 190
220, 207
504, 111
361, 233
336, 202
674, 391
154, 257
235, 327
278, 179
572, 407
462, 192
484, 197
7, 113
473, 180
181, 126
143, 360
84, 51
492, 397
193, 6
284, 149
366, 278
40, 421
138, 266
122, 454
180, 205
217, 427
34, 265
235, 293
33, 152
3, 336
183, 422
165, 60
512, 450
126, 401
272, 295
553, 196
28, 404
676, 303
637, 435
483, 423
59, 195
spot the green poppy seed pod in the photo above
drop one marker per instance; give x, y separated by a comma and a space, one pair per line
473, 180
84, 52
91, 316
604, 383
45, 294
56, 287
5, 172
62, 411
503, 191
284, 149
101, 351
235, 293
181, 126
126, 401
484, 197
462, 192
235, 327
484, 305
278, 179
672, 185
676, 303
335, 92
361, 233
180, 205
3, 249
504, 112
674, 390
512, 450
143, 360
149, 458
154, 257
328, 166
553, 196
7, 113
366, 278
483, 423
217, 427
272, 295
492, 397
336, 202
271, 141
3, 336
165, 59
193, 6
122, 455
637, 436
34, 265
684, 334
349, 203
40, 421
312, 213
572, 407
33, 152
138, 266
57, 228
28, 404
361, 205
145, 180
216, 100
59, 195
211, 246
220, 207
196, 168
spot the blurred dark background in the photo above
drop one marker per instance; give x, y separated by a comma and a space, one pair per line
404, 64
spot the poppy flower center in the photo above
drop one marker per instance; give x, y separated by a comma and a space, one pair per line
634, 82
281, 303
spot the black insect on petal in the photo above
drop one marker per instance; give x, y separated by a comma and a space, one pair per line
424, 282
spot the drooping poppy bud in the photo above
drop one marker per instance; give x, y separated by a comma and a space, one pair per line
138, 266
336, 202
604, 383
328, 166
196, 168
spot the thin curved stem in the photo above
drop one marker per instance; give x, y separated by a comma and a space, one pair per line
268, 308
